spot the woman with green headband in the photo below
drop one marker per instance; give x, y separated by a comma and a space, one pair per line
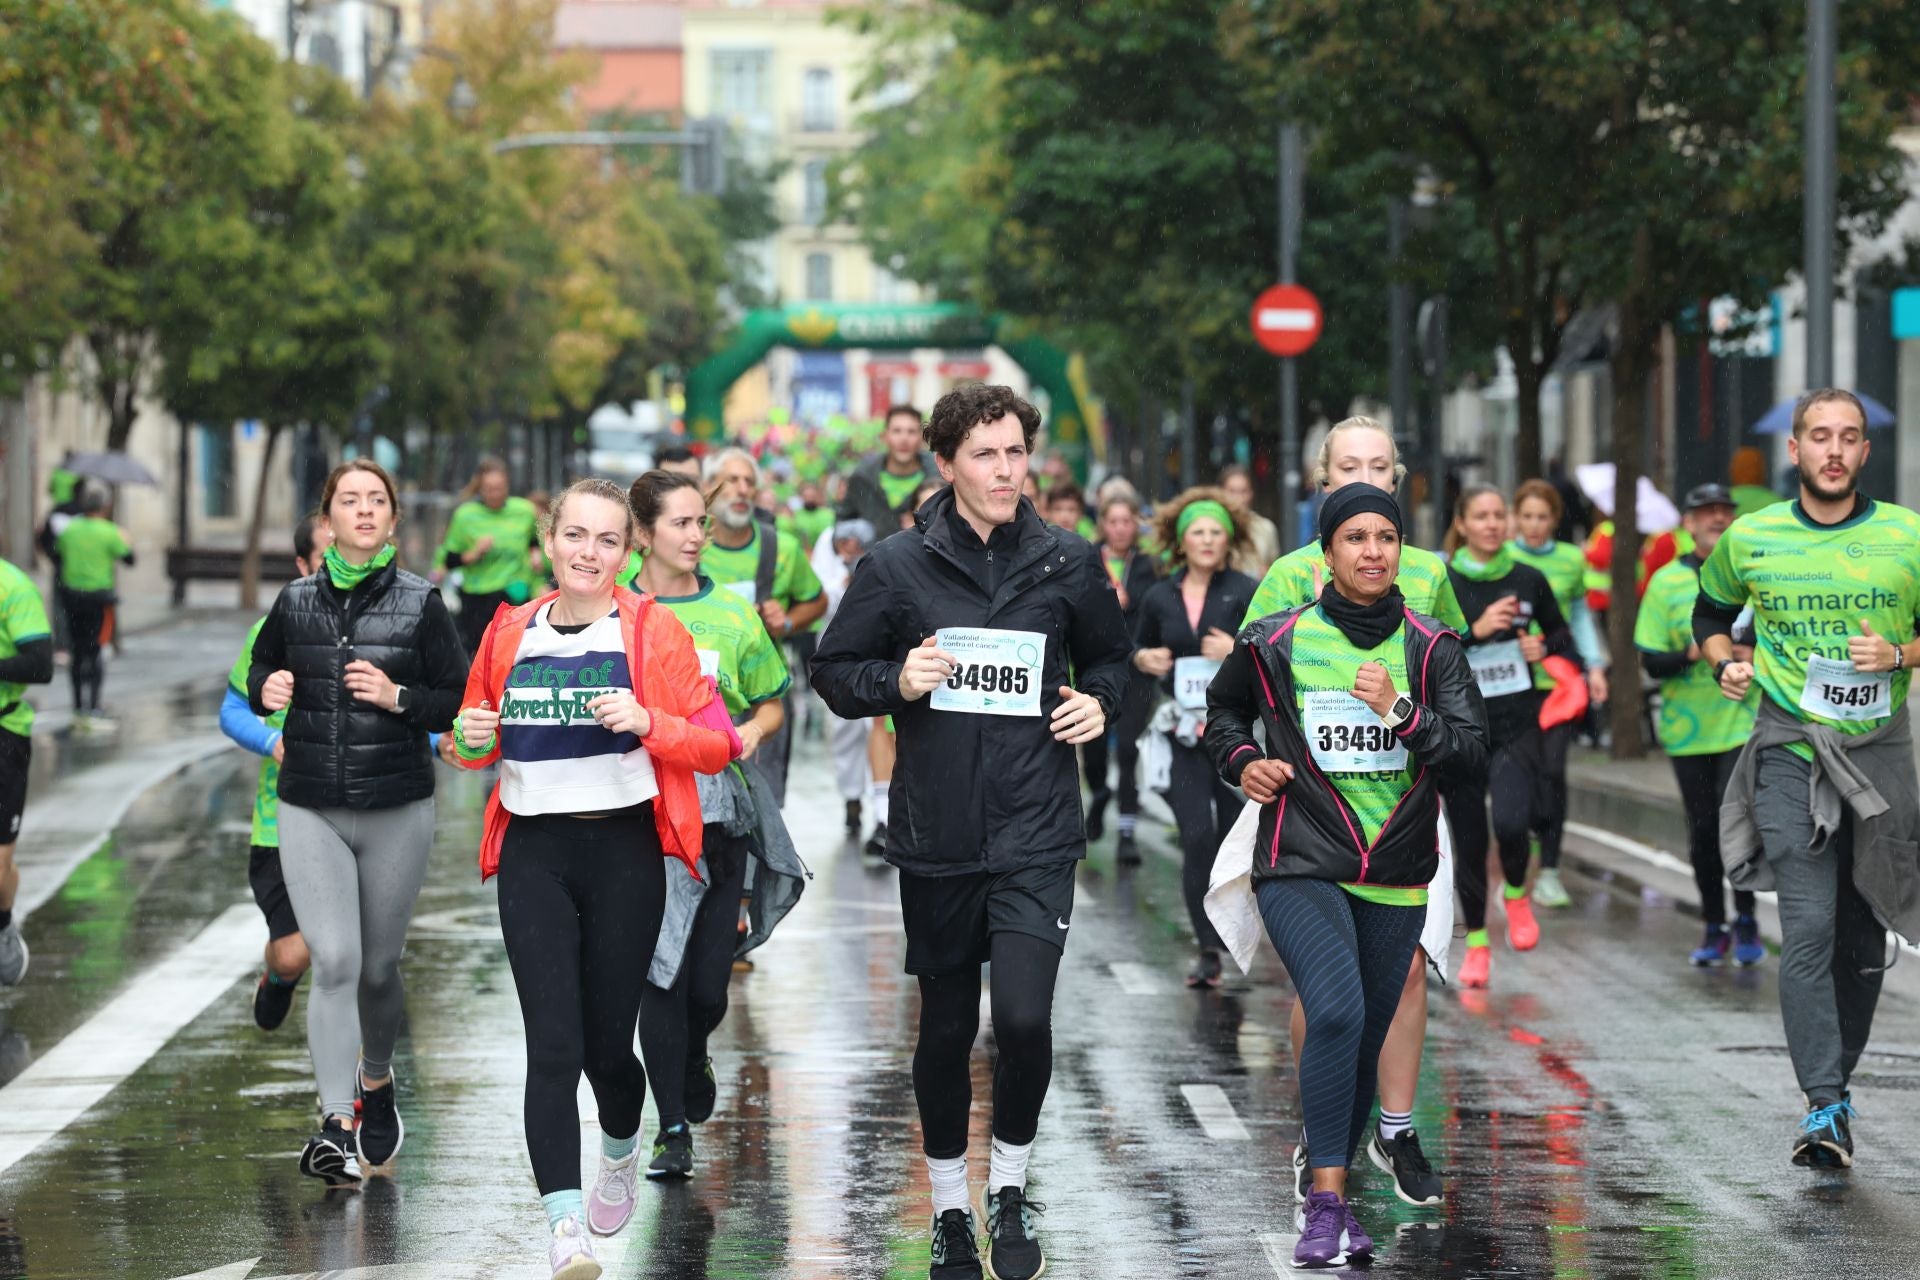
1184, 630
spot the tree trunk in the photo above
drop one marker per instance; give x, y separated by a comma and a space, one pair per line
1521, 344
1527, 377
250, 560
1632, 362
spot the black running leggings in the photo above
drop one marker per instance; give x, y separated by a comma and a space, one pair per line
1024, 971
86, 617
1703, 781
1512, 776
580, 906
1204, 809
675, 1023
1550, 792
1121, 744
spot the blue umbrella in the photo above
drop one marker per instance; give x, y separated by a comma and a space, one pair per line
1779, 419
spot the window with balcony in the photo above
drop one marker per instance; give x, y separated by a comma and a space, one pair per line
743, 86
819, 112
813, 192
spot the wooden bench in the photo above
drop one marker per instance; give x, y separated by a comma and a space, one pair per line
222, 564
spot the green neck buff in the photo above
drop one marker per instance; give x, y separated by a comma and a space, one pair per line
348, 576
1195, 510
1498, 567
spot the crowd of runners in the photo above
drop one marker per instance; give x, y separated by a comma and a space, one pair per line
1347, 735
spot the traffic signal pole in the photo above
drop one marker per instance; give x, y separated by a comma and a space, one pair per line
1289, 236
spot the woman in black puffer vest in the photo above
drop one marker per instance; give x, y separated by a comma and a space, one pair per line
365, 660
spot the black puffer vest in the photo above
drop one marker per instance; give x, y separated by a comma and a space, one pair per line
343, 753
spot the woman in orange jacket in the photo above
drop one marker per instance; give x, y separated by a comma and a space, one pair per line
592, 701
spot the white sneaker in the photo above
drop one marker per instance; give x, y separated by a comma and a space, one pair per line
571, 1253
611, 1202
13, 955
1548, 891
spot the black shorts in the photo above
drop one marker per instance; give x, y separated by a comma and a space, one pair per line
270, 891
16, 753
951, 920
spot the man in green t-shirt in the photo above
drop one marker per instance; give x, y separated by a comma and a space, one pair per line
786, 593
1832, 583
493, 538
26, 657
91, 548
880, 488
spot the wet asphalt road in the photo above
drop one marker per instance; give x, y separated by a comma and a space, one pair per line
1604, 1111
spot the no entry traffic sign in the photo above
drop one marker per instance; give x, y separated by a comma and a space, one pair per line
1286, 319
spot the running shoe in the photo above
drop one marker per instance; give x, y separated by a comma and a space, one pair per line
853, 819
571, 1252
700, 1091
1414, 1180
1713, 951
956, 1248
1206, 971
1097, 814
610, 1203
97, 723
1523, 931
380, 1133
331, 1156
1825, 1140
876, 846
271, 1001
1359, 1245
1748, 950
1012, 1252
1322, 1240
672, 1154
1477, 968
1548, 891
1126, 852
1302, 1171
13, 955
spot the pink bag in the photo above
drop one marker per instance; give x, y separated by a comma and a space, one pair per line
714, 716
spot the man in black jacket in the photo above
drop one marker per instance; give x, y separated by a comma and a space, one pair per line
879, 488
966, 629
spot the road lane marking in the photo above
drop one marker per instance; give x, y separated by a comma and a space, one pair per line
611, 1252
1214, 1110
1136, 979
98, 1055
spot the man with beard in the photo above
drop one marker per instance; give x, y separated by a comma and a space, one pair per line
775, 576
1821, 806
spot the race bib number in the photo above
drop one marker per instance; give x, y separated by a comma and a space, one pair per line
1499, 669
996, 673
1345, 736
744, 590
1835, 691
1191, 676
709, 663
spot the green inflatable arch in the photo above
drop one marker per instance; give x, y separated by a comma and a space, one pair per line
830, 327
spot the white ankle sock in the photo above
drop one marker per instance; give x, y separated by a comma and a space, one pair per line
877, 800
1009, 1165
949, 1179
1394, 1123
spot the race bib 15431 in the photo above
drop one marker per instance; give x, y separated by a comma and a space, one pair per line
1835, 691
996, 673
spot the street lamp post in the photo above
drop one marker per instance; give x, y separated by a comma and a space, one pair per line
1818, 146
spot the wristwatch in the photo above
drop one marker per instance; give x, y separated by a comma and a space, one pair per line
1720, 669
1399, 713
399, 699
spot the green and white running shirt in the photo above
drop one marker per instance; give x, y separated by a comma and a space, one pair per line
1811, 586
514, 528
23, 617
1364, 760
1297, 577
266, 795
736, 568
1695, 718
90, 549
733, 645
1564, 565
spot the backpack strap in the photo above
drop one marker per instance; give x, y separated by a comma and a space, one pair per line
769, 560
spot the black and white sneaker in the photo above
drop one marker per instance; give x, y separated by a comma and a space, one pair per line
330, 1156
853, 819
701, 1091
1302, 1171
1012, 1252
1825, 1139
956, 1247
876, 845
1414, 1180
672, 1154
380, 1133
271, 1001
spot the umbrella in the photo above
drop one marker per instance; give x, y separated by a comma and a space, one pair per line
1654, 511
1779, 419
109, 468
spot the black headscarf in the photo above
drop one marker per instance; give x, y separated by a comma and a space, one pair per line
1364, 625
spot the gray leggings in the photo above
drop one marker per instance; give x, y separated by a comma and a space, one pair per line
353, 875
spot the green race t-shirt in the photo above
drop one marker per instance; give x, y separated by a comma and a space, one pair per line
89, 549
808, 525
1291, 582
1810, 586
514, 529
1337, 724
899, 488
23, 617
733, 645
1564, 565
1695, 719
794, 581
266, 794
